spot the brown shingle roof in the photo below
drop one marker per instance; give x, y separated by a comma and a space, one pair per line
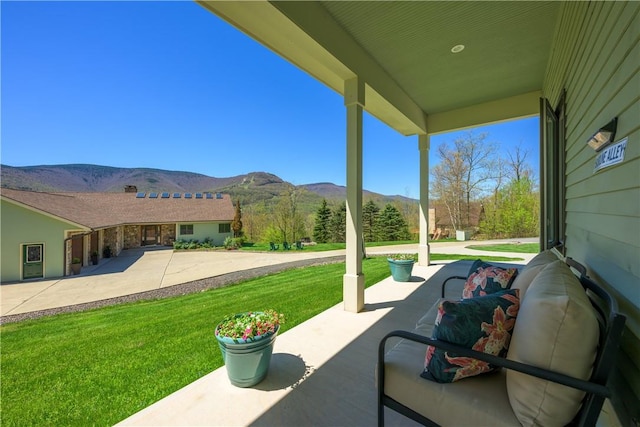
101, 210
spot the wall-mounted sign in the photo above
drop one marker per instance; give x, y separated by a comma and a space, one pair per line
611, 155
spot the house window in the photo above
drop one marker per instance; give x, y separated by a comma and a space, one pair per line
186, 229
224, 228
553, 175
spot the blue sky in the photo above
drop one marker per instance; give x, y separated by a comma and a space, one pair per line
169, 85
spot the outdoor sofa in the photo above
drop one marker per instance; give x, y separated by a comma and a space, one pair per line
562, 349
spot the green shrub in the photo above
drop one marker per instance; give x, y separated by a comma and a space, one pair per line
193, 244
232, 242
207, 243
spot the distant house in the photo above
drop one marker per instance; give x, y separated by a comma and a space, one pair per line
43, 232
442, 220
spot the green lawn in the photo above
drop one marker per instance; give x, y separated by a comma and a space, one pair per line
525, 248
98, 367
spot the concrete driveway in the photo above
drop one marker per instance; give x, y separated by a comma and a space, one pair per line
144, 269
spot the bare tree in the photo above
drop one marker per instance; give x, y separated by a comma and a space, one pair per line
464, 173
447, 183
517, 163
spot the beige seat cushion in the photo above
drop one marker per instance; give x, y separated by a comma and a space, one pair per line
476, 401
427, 322
556, 329
531, 270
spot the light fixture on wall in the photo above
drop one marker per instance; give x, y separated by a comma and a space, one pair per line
604, 135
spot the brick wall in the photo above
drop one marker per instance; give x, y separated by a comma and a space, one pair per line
132, 236
111, 240
168, 234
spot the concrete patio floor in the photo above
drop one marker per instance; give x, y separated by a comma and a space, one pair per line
322, 371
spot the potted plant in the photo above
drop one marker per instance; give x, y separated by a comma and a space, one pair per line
94, 257
76, 265
246, 341
106, 252
401, 266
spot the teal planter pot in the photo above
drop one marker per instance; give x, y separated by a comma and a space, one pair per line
401, 269
247, 361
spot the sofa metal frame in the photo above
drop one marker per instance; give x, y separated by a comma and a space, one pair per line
611, 324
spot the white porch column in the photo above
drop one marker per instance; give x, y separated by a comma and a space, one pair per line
353, 280
423, 246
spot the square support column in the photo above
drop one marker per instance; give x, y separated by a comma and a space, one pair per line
353, 280
423, 246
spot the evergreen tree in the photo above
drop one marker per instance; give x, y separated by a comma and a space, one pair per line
236, 224
391, 225
321, 229
338, 225
370, 213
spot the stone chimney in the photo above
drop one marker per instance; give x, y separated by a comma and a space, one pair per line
130, 189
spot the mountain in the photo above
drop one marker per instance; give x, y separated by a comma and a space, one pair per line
249, 188
90, 178
331, 191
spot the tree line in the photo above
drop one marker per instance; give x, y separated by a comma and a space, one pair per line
284, 220
386, 224
473, 187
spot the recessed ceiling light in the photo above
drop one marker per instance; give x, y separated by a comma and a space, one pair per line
457, 48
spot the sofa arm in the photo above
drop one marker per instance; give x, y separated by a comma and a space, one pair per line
450, 278
535, 371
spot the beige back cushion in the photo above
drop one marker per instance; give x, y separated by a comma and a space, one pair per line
556, 329
531, 270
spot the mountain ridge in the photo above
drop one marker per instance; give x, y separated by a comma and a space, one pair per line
248, 188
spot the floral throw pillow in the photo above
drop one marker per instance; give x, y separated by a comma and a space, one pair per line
482, 324
485, 279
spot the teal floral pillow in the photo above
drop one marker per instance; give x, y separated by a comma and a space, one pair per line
485, 279
482, 324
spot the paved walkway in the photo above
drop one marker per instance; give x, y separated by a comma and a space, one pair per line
140, 270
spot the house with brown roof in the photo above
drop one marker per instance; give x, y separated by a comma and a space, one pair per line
43, 232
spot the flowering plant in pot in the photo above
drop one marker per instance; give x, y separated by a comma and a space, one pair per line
249, 326
246, 341
403, 257
401, 266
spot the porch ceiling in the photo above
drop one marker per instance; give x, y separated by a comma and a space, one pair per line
402, 50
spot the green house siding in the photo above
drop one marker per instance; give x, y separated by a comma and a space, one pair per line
600, 72
20, 226
202, 231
